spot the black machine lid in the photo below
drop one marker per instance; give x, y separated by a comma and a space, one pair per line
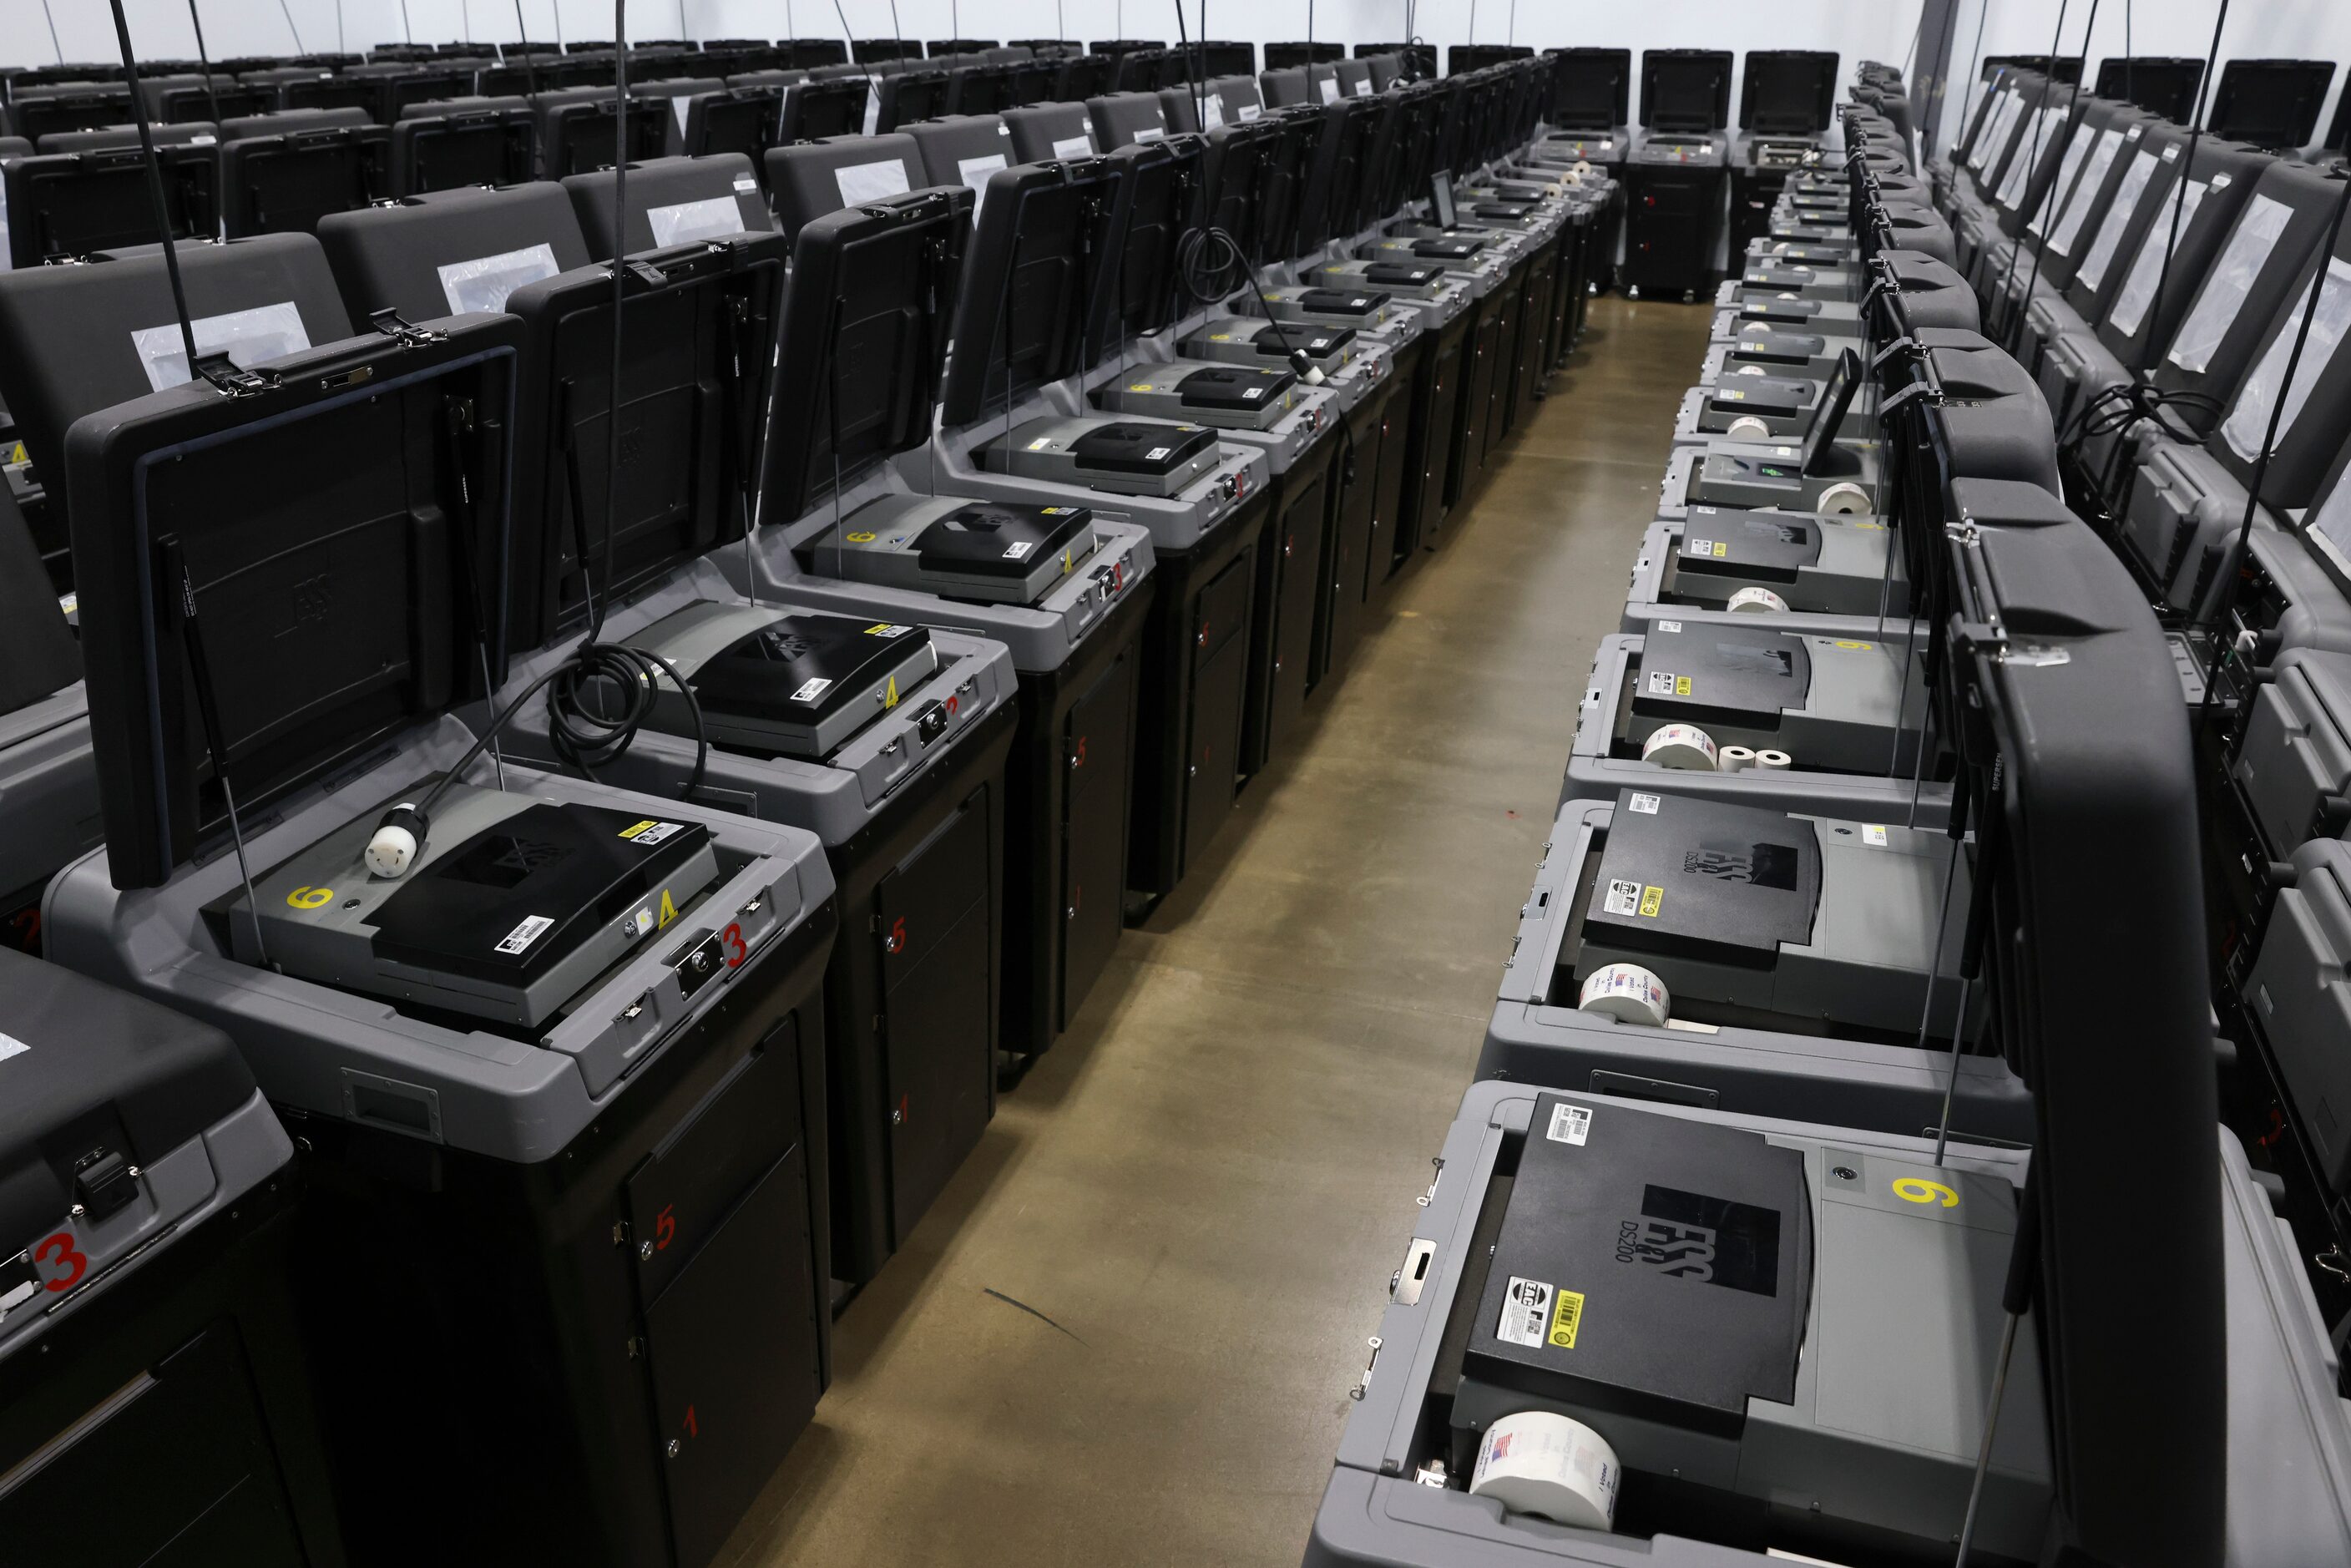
1740, 394
1729, 542
345, 573
1705, 879
802, 668
998, 538
1124, 448
1158, 197
37, 655
1449, 249
1789, 92
572, 865
1281, 340
1241, 387
1647, 1264
1341, 301
1836, 398
865, 332
89, 1071
1401, 275
1704, 670
1592, 88
2273, 104
1042, 248
1778, 309
1686, 89
1778, 348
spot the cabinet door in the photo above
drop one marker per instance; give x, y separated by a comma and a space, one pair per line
1220, 645
1097, 754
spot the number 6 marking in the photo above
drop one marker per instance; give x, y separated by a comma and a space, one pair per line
1918, 1189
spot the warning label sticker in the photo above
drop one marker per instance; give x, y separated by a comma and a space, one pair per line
1622, 898
1019, 549
887, 631
813, 688
1568, 1124
1661, 682
1873, 834
649, 833
1652, 900
1645, 804
1526, 1312
532, 929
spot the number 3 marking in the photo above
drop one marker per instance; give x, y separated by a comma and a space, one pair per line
59, 1251
735, 951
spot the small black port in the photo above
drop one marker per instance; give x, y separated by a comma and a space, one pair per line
702, 965
930, 723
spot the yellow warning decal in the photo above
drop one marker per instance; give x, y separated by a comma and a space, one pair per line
1918, 1189
860, 538
1722, 546
1567, 1311
1681, 685
890, 698
1842, 643
668, 910
633, 828
1652, 900
1140, 386
1065, 563
310, 897
18, 454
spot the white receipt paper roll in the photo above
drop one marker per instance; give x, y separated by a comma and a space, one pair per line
1773, 759
1843, 499
1757, 600
1747, 427
1679, 746
1628, 992
1733, 759
1542, 1463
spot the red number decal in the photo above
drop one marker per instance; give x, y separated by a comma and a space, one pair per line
1081, 751
59, 1251
692, 1430
733, 940
897, 942
665, 1229
953, 704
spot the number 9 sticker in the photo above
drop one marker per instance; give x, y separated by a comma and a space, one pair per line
1918, 1189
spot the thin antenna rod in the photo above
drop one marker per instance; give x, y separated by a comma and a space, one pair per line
2014, 331
530, 61
2179, 193
60, 48
407, 33
287, 12
212, 95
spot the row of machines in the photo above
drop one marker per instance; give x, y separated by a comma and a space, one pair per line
2182, 297
591, 726
1856, 1046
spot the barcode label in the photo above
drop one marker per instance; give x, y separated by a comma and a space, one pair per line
1568, 1124
1623, 898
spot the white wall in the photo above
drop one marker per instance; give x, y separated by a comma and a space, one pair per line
1877, 29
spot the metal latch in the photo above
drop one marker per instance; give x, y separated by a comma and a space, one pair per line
1405, 1284
1364, 1384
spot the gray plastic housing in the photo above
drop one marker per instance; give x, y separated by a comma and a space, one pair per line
1593, 773
833, 799
326, 1052
2289, 1439
1855, 573
49, 789
1885, 1429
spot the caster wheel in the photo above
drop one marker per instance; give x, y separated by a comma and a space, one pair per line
1633, 292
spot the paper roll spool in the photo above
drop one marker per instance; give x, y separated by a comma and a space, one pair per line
1773, 761
1583, 171
1843, 499
1542, 1463
1734, 759
1680, 746
1750, 428
1628, 992
1748, 370
1755, 600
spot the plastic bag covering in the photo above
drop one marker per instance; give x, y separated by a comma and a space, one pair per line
2330, 520
681, 222
2110, 233
1149, 134
2249, 419
1075, 146
872, 103
2060, 193
2084, 192
2223, 294
2138, 291
2003, 116
976, 173
1363, 87
1212, 111
246, 337
4, 250
2030, 150
870, 181
1329, 87
484, 283
677, 106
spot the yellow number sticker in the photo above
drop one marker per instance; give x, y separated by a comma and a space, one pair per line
1652, 900
310, 897
860, 538
1918, 1189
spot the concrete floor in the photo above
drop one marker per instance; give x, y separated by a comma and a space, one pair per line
1126, 1333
